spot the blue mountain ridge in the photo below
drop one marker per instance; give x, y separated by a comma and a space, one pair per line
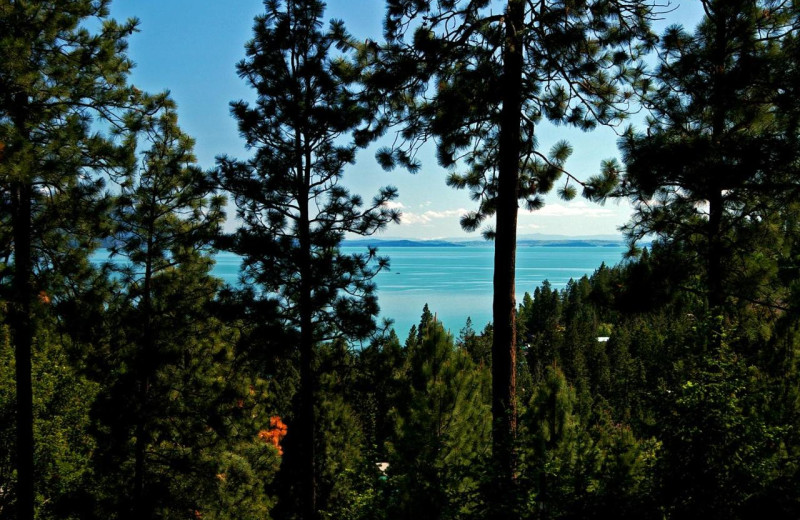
576, 242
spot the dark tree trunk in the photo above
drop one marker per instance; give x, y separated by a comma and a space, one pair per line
715, 275
306, 423
22, 322
22, 326
504, 420
716, 293
142, 506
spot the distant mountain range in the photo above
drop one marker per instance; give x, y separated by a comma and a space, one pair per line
522, 241
543, 237
377, 242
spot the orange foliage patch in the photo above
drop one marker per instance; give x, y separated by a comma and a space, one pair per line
44, 298
275, 434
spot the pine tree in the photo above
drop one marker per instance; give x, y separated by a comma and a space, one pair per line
377, 385
479, 82
441, 428
478, 346
63, 440
294, 209
540, 318
346, 475
722, 447
57, 77
164, 221
717, 159
577, 465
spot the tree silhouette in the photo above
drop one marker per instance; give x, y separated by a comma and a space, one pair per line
479, 80
164, 221
716, 161
294, 209
56, 79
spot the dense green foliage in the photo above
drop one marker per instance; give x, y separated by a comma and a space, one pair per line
478, 78
133, 384
295, 209
718, 160
58, 82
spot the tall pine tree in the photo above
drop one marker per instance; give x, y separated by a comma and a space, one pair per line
441, 429
164, 221
479, 77
717, 159
293, 207
57, 77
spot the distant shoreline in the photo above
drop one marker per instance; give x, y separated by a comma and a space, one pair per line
578, 242
401, 243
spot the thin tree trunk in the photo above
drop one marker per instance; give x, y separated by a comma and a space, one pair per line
504, 421
22, 322
308, 495
22, 325
715, 275
716, 294
306, 423
140, 505
142, 508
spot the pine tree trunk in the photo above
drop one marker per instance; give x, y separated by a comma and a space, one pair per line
141, 506
504, 343
22, 325
22, 322
715, 275
306, 422
716, 294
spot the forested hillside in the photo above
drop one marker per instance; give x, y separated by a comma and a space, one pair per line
134, 384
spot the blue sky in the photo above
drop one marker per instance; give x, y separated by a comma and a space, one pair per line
191, 47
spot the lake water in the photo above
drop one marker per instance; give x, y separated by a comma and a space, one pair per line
456, 282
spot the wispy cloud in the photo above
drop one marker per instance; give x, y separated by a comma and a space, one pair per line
566, 211
411, 218
575, 209
425, 218
390, 204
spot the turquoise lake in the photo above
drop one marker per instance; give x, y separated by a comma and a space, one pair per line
456, 282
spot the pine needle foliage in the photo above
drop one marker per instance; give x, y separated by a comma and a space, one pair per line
478, 77
63, 75
164, 220
294, 208
718, 159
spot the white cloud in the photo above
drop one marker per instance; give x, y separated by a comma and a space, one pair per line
390, 204
410, 218
575, 209
444, 214
425, 218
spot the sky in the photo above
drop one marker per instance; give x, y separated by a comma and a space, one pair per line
191, 47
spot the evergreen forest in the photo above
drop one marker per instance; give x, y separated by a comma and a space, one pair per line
140, 386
